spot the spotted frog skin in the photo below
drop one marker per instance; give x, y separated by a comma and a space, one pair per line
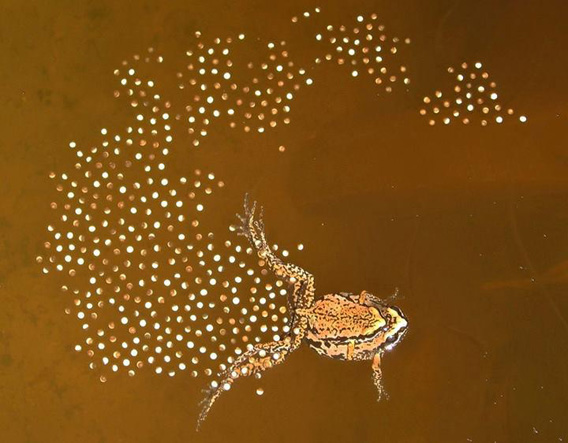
341, 326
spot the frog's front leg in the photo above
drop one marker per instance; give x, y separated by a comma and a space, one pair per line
257, 359
363, 296
368, 299
378, 376
350, 349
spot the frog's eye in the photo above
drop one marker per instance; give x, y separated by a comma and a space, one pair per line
392, 338
392, 341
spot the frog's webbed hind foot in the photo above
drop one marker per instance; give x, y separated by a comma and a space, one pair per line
378, 378
210, 395
259, 222
251, 226
245, 227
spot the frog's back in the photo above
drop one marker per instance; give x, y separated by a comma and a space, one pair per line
339, 317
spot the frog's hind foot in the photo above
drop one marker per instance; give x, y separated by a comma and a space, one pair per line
259, 222
205, 405
245, 226
211, 394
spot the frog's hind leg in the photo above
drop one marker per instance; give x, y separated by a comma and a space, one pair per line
257, 359
253, 229
378, 377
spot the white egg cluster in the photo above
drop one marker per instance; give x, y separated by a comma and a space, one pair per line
257, 101
365, 49
218, 86
473, 99
150, 285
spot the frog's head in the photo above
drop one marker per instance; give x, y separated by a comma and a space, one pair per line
396, 327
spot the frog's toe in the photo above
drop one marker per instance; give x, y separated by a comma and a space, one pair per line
383, 395
249, 209
259, 222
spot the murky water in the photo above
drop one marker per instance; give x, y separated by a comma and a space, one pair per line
410, 145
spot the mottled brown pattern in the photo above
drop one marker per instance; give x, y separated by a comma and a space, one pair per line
335, 316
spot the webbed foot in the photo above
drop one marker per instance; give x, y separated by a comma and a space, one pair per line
243, 228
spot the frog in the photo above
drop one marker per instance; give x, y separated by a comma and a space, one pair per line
342, 326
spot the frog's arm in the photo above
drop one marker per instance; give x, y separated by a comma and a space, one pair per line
367, 299
253, 229
378, 376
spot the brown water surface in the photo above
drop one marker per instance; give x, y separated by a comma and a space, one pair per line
468, 221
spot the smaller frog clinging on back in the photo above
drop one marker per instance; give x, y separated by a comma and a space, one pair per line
342, 325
